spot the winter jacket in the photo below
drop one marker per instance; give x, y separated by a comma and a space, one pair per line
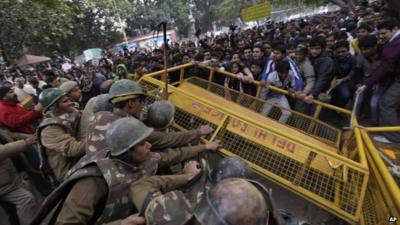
307, 70
323, 67
16, 118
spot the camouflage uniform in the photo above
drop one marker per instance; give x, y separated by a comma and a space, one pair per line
101, 121
95, 177
190, 204
59, 152
230, 201
94, 105
171, 208
97, 127
114, 177
175, 206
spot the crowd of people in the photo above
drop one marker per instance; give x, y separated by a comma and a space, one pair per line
81, 128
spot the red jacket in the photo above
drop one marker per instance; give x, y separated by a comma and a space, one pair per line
16, 118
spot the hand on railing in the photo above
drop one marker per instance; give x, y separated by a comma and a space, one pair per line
205, 129
361, 89
309, 99
300, 95
291, 92
263, 84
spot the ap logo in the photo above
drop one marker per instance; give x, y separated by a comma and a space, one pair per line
392, 219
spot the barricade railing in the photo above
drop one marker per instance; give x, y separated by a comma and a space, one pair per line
309, 124
382, 201
334, 180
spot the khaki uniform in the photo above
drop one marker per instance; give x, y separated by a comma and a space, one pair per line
161, 140
81, 206
9, 177
57, 137
101, 121
140, 189
10, 181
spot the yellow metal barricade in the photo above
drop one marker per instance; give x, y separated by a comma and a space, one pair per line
382, 201
302, 155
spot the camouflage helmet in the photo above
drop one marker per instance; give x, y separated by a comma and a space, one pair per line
101, 103
124, 89
160, 114
124, 133
230, 167
50, 96
169, 208
233, 201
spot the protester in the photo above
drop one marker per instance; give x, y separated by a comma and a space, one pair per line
388, 68
323, 66
13, 116
334, 53
282, 78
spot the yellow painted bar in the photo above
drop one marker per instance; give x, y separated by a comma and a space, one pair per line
357, 166
324, 105
319, 201
383, 191
172, 69
181, 74
382, 170
215, 115
219, 128
389, 201
360, 144
274, 136
382, 129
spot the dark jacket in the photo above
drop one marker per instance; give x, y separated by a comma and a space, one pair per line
389, 64
323, 66
343, 66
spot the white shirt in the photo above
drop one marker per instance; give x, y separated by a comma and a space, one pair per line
25, 92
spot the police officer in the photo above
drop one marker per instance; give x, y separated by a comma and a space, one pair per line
160, 116
12, 190
231, 201
96, 104
73, 91
57, 134
127, 98
95, 191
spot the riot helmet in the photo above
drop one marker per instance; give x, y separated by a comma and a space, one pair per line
233, 201
125, 133
160, 114
230, 167
50, 96
123, 90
